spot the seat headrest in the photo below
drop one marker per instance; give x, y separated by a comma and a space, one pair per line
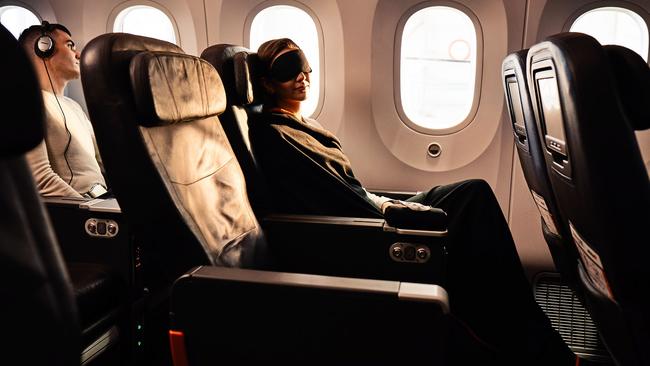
247, 71
22, 107
517, 62
171, 87
629, 72
632, 77
238, 66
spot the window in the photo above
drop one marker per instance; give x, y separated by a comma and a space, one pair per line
611, 25
284, 21
437, 67
16, 19
145, 21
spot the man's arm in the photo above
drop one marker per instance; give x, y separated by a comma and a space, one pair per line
48, 182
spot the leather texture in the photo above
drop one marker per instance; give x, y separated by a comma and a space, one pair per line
171, 88
633, 83
533, 164
606, 195
176, 177
237, 66
247, 73
37, 299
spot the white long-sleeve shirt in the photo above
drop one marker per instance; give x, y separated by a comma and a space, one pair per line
49, 167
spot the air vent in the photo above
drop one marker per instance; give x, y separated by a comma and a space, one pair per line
569, 317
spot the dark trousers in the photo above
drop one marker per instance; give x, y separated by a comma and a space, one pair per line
487, 287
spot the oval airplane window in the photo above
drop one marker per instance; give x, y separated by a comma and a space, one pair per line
145, 20
285, 21
16, 19
437, 69
614, 25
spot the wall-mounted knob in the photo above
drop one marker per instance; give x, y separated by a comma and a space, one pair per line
434, 150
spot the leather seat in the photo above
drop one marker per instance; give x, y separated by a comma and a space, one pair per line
589, 100
154, 111
237, 67
531, 157
175, 178
52, 314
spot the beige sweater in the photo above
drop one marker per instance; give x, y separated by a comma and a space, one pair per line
51, 172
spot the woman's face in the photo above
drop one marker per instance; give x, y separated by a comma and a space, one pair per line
296, 88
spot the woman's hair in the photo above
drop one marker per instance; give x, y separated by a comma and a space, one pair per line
270, 49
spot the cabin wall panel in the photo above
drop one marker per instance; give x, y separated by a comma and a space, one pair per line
491, 160
547, 17
212, 24
41, 8
198, 14
98, 17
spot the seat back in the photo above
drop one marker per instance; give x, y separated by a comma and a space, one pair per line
531, 157
40, 320
237, 67
588, 102
154, 110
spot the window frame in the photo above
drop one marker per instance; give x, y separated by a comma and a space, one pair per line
118, 9
397, 69
319, 32
638, 10
24, 6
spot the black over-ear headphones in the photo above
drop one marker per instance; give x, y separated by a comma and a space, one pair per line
44, 46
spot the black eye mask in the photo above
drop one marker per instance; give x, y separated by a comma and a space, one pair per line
289, 65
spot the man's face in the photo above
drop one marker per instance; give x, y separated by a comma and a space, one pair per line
64, 63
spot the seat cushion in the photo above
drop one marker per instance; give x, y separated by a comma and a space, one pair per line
101, 296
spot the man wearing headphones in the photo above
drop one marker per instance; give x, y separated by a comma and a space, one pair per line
67, 162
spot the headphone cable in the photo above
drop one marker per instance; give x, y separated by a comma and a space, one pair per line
65, 124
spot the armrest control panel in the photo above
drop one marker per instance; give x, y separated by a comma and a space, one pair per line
409, 253
101, 228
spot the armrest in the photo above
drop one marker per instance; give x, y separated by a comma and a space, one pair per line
398, 195
416, 219
93, 205
95, 231
101, 270
253, 317
440, 224
354, 247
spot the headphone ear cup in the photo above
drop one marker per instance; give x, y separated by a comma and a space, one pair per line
44, 46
